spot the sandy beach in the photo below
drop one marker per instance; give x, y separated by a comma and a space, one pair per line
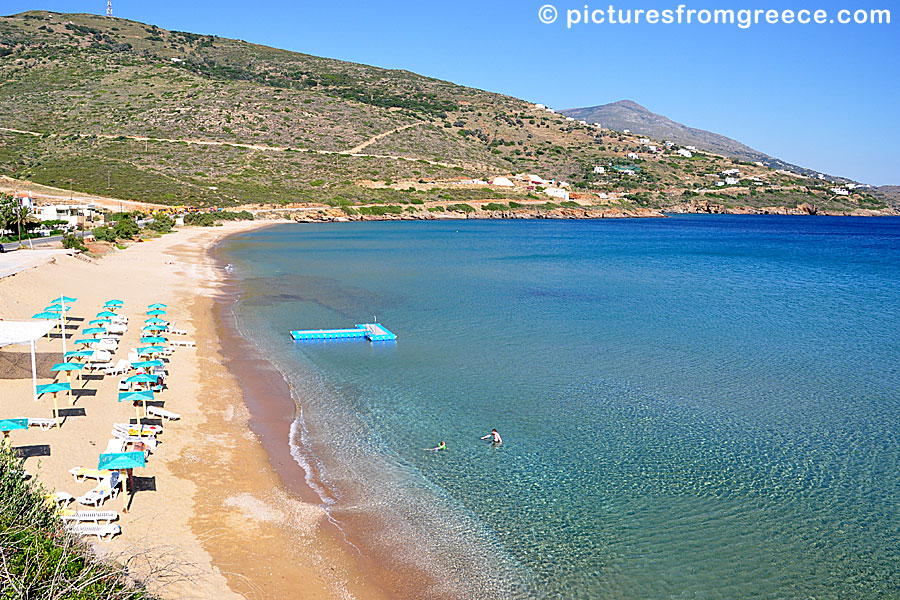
212, 518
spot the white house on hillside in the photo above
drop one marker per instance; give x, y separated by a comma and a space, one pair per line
633, 156
684, 152
557, 193
599, 170
502, 182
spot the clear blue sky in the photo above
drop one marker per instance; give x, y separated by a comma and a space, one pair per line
824, 97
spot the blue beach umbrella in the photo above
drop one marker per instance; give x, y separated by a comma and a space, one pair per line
156, 312
149, 350
87, 341
54, 388
65, 299
153, 328
67, 368
46, 315
101, 322
119, 461
154, 321
56, 308
144, 364
94, 330
142, 378
153, 339
13, 424
139, 396
106, 313
113, 302
7, 425
77, 354
116, 461
156, 305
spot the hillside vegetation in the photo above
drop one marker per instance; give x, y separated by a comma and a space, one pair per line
126, 110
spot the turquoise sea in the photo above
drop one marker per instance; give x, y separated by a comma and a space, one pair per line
691, 407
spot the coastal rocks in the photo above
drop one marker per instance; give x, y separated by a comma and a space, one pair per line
335, 215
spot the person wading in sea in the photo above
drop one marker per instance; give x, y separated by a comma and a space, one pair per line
494, 437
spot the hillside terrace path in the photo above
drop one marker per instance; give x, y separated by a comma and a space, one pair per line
198, 142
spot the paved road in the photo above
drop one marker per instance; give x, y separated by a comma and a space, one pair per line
14, 262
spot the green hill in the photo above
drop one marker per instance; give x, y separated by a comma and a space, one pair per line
117, 108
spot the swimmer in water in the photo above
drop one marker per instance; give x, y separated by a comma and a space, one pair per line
441, 446
494, 437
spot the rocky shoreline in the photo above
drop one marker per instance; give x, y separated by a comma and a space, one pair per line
336, 215
805, 209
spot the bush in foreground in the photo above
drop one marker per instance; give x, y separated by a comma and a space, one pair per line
72, 241
38, 559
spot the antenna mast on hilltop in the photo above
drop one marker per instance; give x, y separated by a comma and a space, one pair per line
109, 8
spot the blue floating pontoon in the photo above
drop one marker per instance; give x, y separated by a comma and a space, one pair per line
373, 332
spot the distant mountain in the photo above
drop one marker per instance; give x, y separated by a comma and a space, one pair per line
626, 114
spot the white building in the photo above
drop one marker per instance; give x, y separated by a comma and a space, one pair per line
540, 106
626, 131
557, 193
73, 214
633, 156
603, 195
644, 140
599, 170
502, 182
840, 192
691, 148
669, 144
684, 152
730, 172
652, 148
732, 181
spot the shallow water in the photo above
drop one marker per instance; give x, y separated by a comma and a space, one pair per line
698, 407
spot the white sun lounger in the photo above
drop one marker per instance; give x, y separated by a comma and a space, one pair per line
120, 368
94, 516
106, 489
149, 440
185, 343
97, 366
60, 498
100, 531
177, 331
115, 445
162, 413
42, 423
138, 430
82, 473
124, 386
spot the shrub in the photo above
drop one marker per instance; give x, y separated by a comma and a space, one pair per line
40, 559
73, 241
126, 228
460, 208
494, 206
161, 224
104, 234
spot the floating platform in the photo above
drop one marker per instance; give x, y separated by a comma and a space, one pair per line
374, 332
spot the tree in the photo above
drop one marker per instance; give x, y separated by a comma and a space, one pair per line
73, 241
126, 228
11, 214
104, 234
162, 224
